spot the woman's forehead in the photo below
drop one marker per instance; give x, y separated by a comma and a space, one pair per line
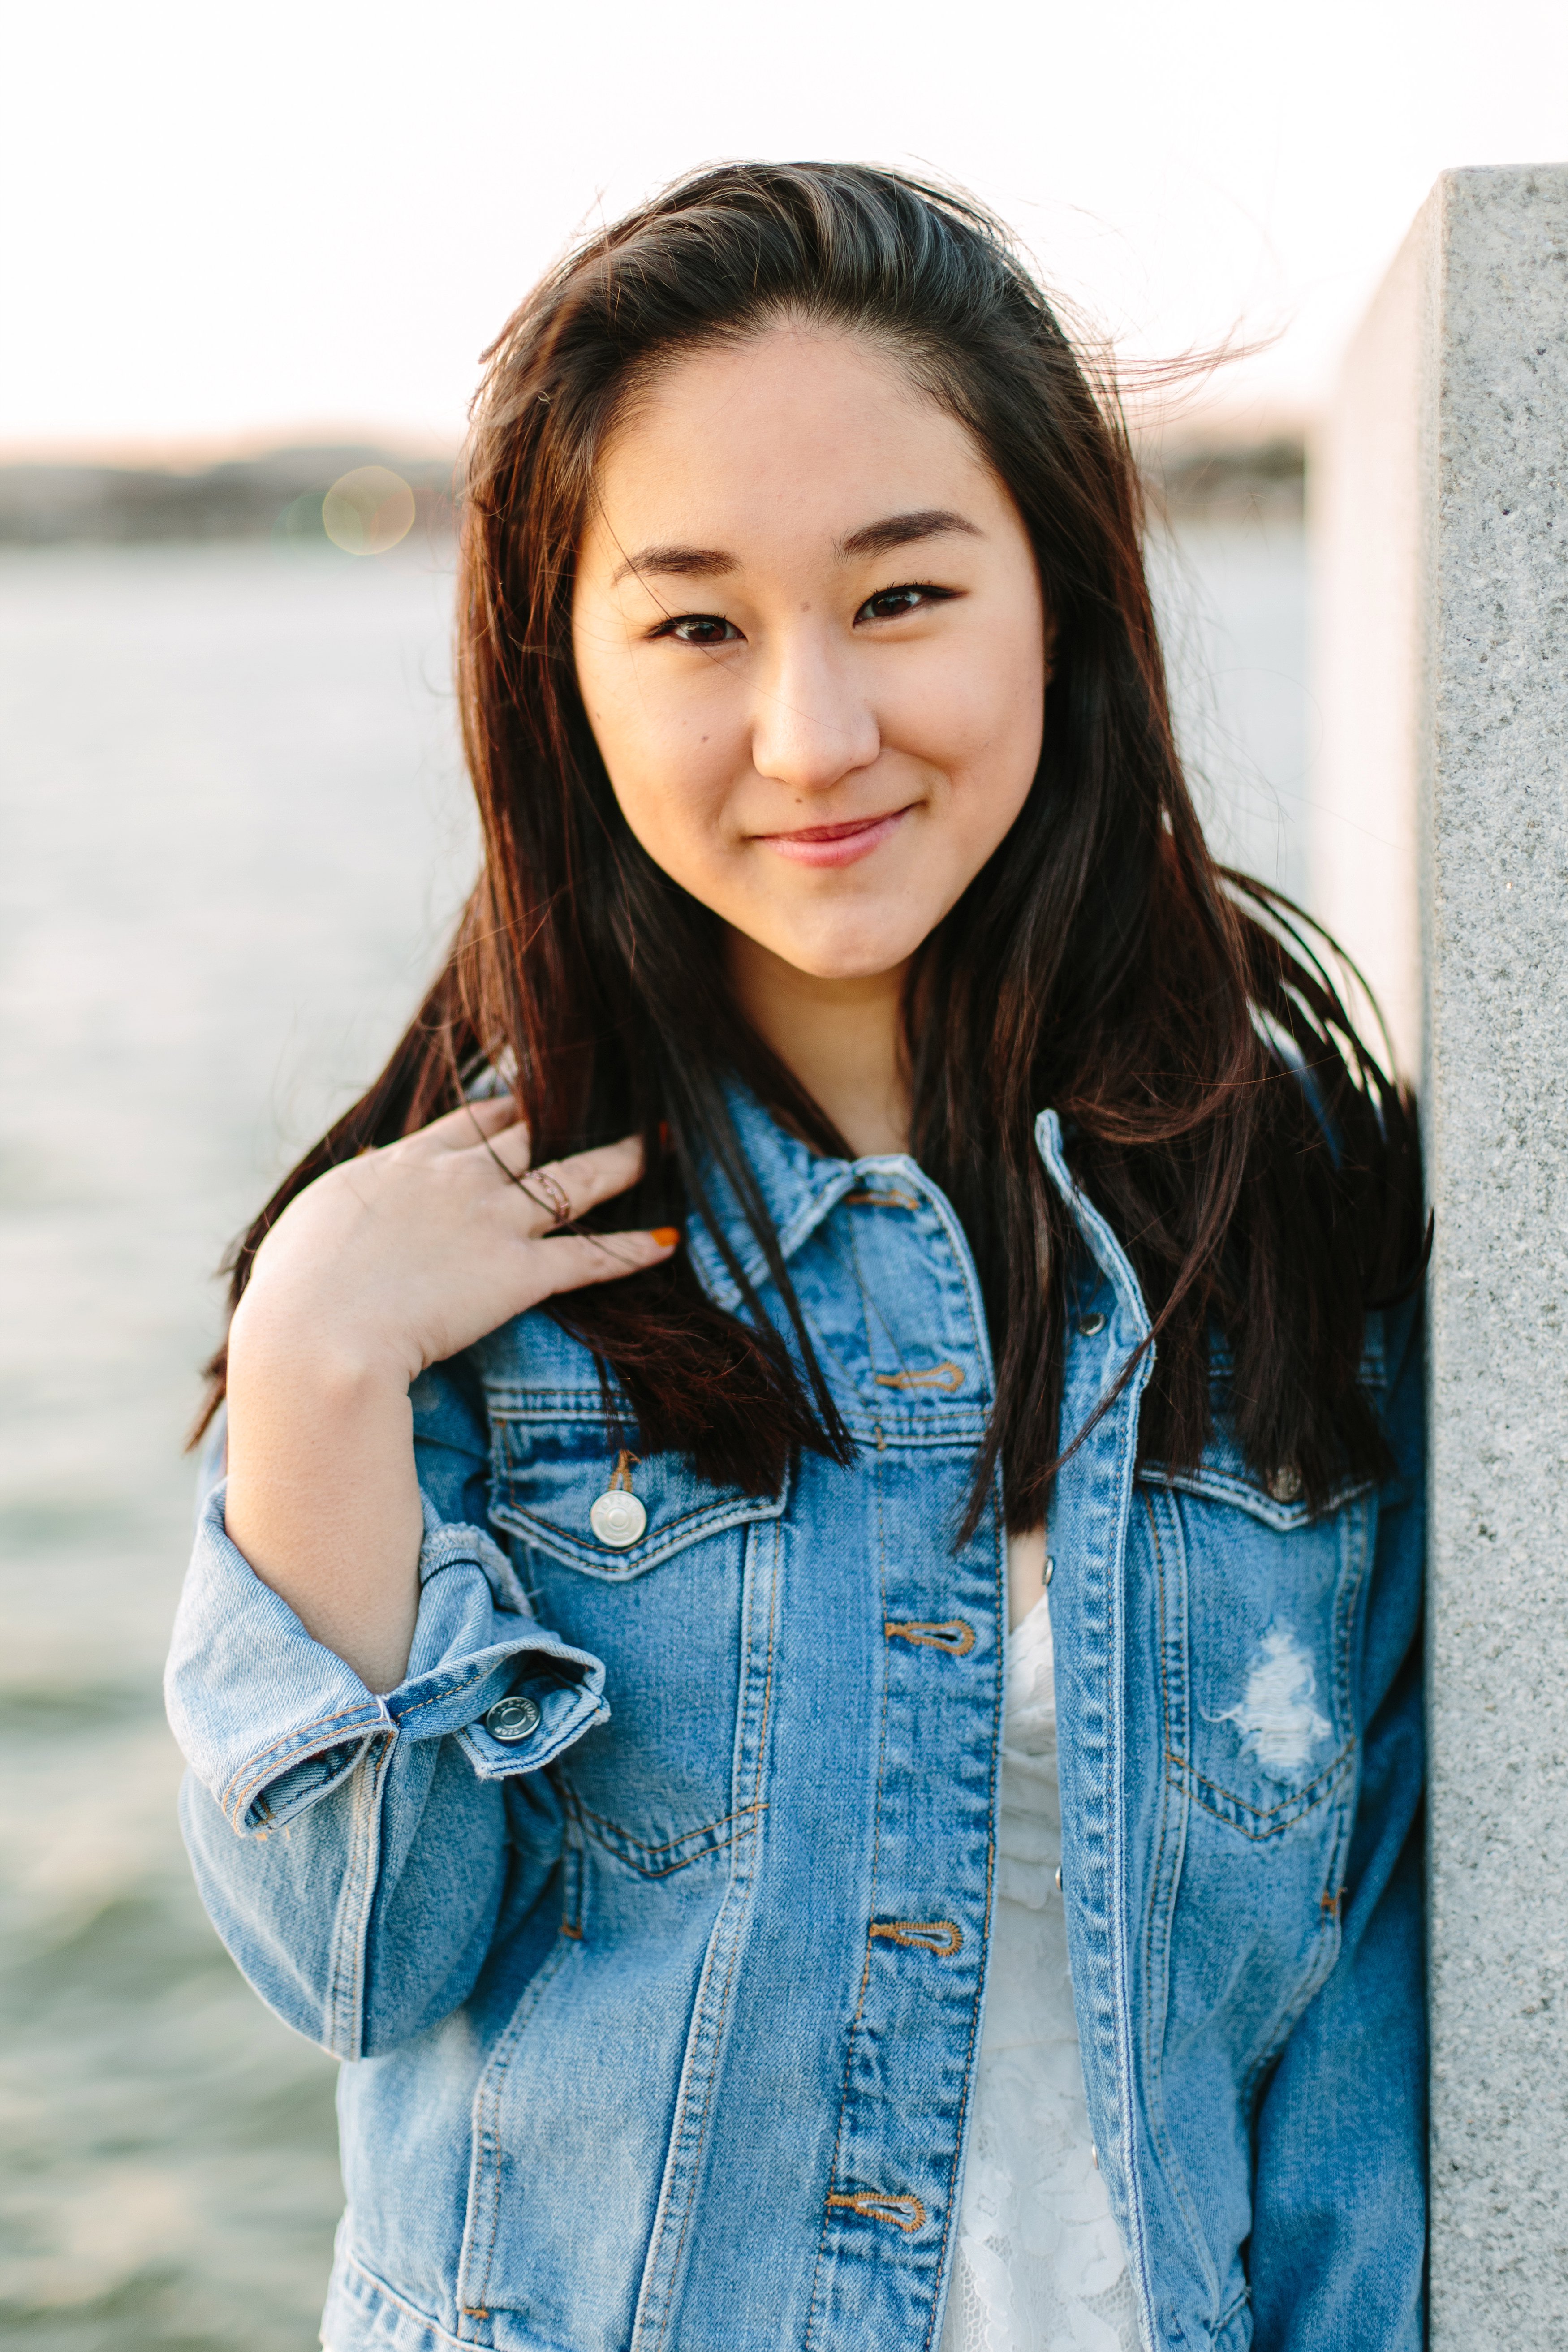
797, 432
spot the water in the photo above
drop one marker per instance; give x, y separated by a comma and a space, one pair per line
235, 835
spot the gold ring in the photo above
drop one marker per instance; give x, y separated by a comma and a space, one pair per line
554, 1191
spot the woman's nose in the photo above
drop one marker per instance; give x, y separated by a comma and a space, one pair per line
810, 727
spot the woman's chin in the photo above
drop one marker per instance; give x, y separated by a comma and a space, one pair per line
831, 957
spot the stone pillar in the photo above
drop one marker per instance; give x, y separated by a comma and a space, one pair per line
1441, 857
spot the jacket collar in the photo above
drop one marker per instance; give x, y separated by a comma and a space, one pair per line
800, 1186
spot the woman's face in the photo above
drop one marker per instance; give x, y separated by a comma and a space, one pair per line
810, 643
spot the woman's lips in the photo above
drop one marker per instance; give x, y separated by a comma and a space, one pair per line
836, 844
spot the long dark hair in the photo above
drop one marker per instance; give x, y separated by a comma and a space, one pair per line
1259, 1165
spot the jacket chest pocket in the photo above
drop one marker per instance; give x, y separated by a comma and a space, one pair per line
1259, 1606
643, 1564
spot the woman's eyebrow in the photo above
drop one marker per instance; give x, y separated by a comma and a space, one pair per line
871, 539
693, 562
901, 530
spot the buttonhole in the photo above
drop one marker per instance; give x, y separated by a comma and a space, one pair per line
934, 1376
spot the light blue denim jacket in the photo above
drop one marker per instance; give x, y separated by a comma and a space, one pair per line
661, 2021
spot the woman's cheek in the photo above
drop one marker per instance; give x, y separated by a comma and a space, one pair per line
968, 715
672, 793
996, 708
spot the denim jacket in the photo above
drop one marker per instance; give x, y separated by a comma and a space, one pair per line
660, 2011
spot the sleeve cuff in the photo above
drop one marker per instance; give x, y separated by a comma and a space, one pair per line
271, 1721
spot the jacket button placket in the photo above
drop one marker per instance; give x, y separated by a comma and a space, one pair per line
915, 2038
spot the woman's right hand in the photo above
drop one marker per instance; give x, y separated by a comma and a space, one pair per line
405, 1256
382, 1266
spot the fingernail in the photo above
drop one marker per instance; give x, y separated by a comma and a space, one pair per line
667, 1235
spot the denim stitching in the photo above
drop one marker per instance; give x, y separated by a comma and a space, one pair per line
740, 1825
605, 1823
270, 1757
346, 1996
866, 1969
302, 1731
1293, 1809
573, 1862
874, 2202
1000, 1549
1329, 1925
437, 1699
1279, 1817
914, 1933
719, 1518
735, 1944
507, 1404
697, 1511
488, 2117
1165, 1712
889, 1200
990, 1875
1157, 2101
354, 2262
274, 1768
925, 1635
768, 1671
1324, 1951
1235, 1489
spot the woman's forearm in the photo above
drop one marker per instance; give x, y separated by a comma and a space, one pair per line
323, 1498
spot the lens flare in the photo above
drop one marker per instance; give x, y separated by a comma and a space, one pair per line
368, 510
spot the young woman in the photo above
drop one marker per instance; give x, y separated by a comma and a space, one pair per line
862, 1165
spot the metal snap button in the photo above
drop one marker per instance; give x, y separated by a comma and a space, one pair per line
618, 1519
1050, 1568
1059, 1878
1286, 1484
515, 1718
1091, 1326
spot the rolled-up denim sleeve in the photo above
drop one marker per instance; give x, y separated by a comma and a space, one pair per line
353, 1850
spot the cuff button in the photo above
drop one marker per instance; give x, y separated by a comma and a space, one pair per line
511, 1719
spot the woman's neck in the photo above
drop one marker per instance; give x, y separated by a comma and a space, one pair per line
842, 1039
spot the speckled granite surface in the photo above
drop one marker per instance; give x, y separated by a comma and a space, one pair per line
1452, 427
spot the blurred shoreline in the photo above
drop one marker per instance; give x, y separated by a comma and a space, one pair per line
278, 495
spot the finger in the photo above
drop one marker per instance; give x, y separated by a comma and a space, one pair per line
558, 1190
508, 1145
470, 1126
572, 1260
587, 1178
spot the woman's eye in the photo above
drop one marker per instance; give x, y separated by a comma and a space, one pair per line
699, 629
892, 603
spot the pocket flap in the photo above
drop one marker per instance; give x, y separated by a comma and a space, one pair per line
548, 1473
1223, 1475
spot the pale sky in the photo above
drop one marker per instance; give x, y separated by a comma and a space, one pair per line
224, 226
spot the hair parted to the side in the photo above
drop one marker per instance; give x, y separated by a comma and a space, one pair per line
1258, 1164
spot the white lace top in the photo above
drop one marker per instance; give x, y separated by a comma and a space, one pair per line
1039, 2265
